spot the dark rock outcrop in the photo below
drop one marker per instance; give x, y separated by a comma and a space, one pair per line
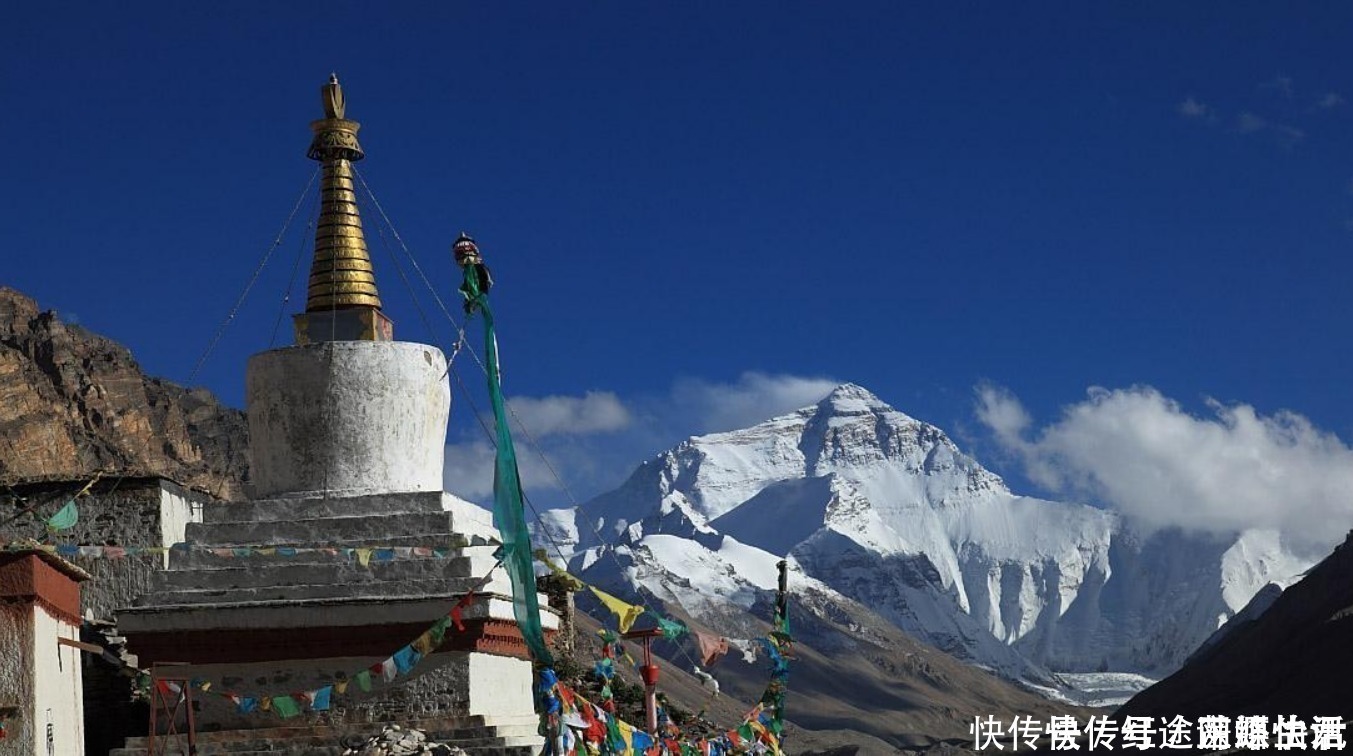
73, 403
1296, 658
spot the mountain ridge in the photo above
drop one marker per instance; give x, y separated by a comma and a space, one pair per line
885, 509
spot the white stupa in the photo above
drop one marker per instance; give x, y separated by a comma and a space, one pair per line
347, 434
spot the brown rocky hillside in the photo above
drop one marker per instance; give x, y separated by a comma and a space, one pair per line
73, 403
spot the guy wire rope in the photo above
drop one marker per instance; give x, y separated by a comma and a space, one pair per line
252, 279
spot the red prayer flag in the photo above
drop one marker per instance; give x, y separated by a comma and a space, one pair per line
712, 648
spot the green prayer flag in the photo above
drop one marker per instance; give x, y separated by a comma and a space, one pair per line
614, 740
285, 706
363, 679
671, 629
508, 499
438, 631
65, 517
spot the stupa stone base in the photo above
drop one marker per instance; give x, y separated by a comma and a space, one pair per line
481, 735
284, 622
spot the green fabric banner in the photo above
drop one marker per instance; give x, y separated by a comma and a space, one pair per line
65, 517
508, 501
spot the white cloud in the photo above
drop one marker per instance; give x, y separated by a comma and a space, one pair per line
554, 423
1191, 108
1001, 412
1331, 100
593, 442
594, 412
468, 470
1281, 85
1249, 123
1141, 453
1289, 135
752, 398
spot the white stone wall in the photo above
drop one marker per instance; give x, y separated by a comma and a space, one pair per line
499, 685
177, 509
43, 678
57, 693
348, 418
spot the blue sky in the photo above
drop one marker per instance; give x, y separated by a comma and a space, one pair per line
692, 207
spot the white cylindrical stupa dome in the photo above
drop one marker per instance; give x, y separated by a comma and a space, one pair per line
347, 418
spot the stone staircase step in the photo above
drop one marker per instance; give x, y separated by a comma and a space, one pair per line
311, 573
321, 591
200, 557
366, 529
486, 735
314, 507
287, 731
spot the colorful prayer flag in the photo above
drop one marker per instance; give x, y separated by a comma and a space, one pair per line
65, 517
712, 647
319, 699
671, 629
625, 613
405, 659
285, 706
423, 644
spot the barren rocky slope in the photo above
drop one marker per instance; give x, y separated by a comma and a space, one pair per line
73, 403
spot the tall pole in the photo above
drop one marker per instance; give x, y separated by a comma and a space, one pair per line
782, 596
649, 672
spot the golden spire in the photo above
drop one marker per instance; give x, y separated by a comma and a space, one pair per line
341, 276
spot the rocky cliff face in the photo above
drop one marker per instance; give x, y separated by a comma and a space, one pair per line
73, 403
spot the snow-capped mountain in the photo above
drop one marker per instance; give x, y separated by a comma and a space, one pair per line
873, 505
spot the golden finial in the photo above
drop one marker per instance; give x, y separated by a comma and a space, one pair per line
341, 275
333, 97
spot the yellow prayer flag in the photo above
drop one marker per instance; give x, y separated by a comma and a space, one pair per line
364, 556
423, 644
625, 614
